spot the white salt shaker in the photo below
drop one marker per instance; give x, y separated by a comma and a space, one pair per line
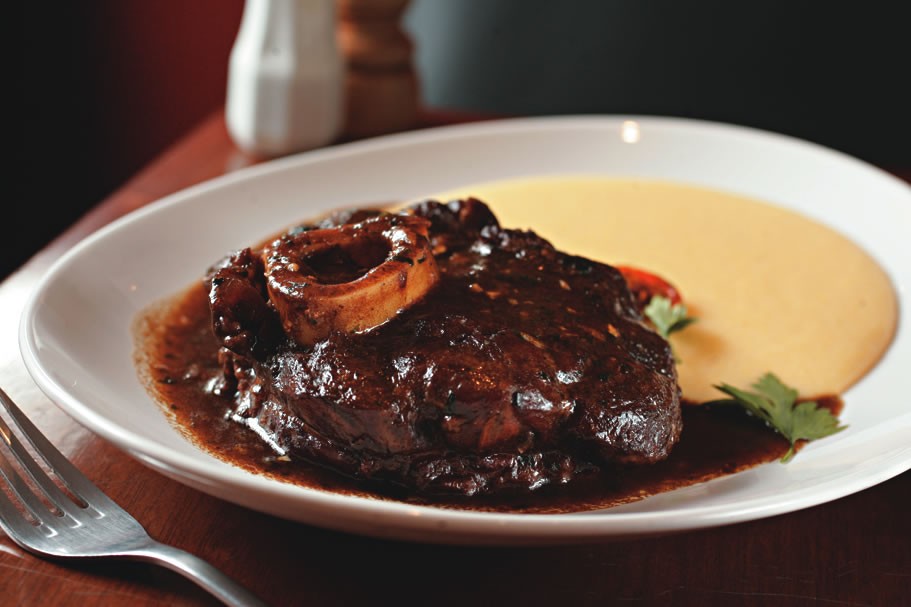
285, 77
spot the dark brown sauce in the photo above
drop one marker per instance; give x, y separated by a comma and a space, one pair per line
175, 356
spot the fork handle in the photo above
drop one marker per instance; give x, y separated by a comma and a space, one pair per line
197, 570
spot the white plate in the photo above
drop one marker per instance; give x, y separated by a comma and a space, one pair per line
76, 341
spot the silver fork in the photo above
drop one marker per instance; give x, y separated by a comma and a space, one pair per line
92, 525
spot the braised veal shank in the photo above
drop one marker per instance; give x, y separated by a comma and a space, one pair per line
519, 367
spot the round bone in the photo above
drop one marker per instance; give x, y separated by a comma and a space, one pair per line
350, 278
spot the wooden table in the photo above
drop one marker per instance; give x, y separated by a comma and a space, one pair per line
854, 551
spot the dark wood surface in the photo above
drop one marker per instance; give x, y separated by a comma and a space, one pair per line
853, 551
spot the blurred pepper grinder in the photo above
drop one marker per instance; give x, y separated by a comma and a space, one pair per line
285, 77
381, 85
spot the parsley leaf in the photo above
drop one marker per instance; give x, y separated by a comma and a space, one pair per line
667, 318
774, 403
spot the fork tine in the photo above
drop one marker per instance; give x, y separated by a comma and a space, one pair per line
17, 527
68, 474
22, 490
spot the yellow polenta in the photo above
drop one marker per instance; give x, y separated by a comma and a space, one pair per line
773, 290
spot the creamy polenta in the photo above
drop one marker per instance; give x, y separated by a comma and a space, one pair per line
772, 289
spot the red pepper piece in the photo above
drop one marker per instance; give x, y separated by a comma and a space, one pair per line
644, 285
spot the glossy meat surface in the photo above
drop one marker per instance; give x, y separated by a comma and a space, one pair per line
522, 367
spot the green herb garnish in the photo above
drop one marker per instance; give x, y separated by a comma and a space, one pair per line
774, 403
666, 317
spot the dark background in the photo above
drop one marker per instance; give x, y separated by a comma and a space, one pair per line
100, 88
